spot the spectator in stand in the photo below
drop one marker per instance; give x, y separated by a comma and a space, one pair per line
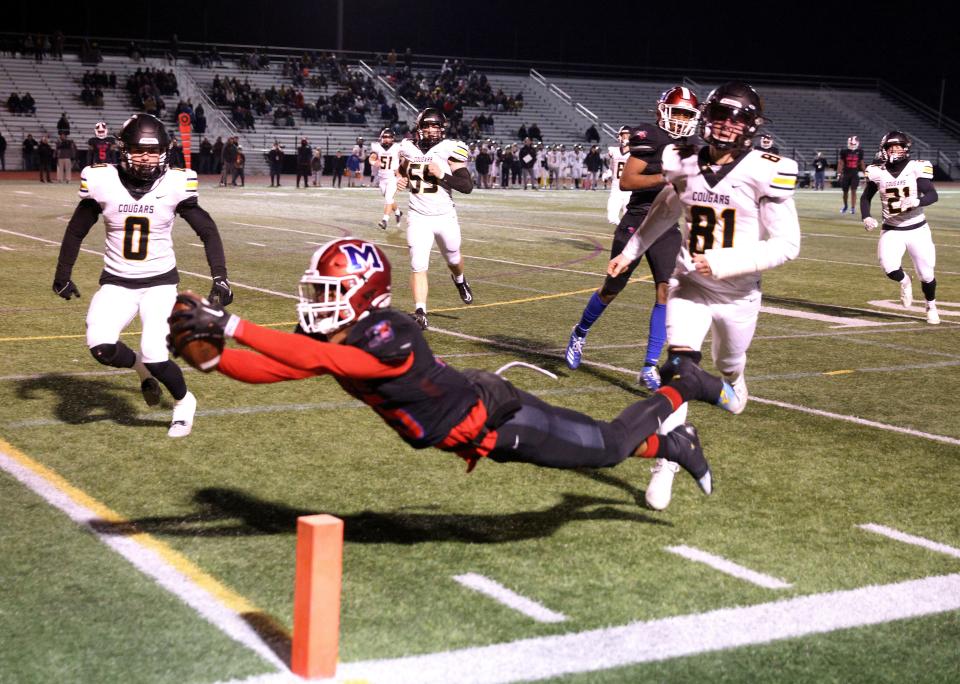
304, 155
592, 135
30, 153
239, 166
66, 153
534, 133
199, 120
56, 46
175, 155
339, 166
316, 167
3, 153
216, 162
522, 132
819, 171
173, 51
275, 160
483, 162
206, 154
27, 104
528, 158
353, 169
13, 104
44, 159
63, 125
229, 158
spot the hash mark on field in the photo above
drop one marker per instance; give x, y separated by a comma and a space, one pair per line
911, 539
501, 594
729, 567
195, 244
7, 249
256, 244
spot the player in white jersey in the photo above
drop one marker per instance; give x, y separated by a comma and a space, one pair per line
385, 156
737, 219
431, 169
905, 187
617, 156
139, 199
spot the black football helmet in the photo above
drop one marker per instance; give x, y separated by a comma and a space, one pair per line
734, 102
896, 138
143, 133
386, 137
428, 133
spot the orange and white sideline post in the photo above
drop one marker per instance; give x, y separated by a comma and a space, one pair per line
316, 596
184, 121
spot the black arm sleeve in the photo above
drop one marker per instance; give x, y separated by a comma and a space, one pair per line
204, 226
83, 219
928, 194
868, 192
460, 180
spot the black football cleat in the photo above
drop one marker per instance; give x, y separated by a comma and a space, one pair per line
398, 215
382, 224
682, 446
420, 316
151, 391
463, 289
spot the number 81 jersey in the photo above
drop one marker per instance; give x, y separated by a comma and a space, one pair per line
736, 207
893, 189
139, 231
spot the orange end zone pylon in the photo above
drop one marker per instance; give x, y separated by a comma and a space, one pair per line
316, 596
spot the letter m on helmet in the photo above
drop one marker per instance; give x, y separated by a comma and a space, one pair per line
363, 257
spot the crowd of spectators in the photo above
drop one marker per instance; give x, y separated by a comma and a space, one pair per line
34, 45
93, 83
147, 88
21, 104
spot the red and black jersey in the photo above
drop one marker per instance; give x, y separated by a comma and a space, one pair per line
385, 362
101, 150
647, 142
851, 160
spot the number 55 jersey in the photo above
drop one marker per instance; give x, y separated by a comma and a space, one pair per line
895, 188
426, 196
139, 244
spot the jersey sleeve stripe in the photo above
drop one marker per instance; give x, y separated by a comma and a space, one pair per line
786, 183
192, 184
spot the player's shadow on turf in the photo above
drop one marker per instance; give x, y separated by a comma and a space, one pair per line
86, 401
832, 309
232, 513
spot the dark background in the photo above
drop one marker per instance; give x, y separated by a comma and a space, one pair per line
915, 49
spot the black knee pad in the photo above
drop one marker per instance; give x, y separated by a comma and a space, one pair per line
929, 290
897, 275
117, 355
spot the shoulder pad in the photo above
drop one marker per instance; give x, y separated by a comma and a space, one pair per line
458, 152
387, 337
780, 174
924, 168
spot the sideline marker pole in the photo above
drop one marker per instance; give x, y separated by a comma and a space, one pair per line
316, 596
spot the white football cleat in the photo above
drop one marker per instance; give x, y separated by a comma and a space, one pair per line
933, 317
183, 411
906, 291
660, 489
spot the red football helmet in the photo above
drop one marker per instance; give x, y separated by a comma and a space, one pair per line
345, 280
678, 112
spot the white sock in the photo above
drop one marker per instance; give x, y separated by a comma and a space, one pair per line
386, 216
140, 368
396, 212
458, 278
420, 305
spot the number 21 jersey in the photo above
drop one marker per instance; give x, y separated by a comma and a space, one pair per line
892, 189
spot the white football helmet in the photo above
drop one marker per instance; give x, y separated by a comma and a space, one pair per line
853, 142
100, 129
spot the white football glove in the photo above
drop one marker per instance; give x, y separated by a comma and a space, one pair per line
869, 223
908, 203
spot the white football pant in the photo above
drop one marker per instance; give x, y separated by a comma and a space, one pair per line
113, 307
617, 203
423, 230
918, 242
388, 188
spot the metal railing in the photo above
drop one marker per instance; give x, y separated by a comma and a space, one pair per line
578, 108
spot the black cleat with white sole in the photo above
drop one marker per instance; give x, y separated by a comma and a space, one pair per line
463, 289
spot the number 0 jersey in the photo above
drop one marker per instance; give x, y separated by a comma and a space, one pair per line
139, 241
426, 196
893, 189
387, 160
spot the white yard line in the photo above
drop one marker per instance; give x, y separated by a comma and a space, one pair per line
510, 599
911, 539
838, 321
729, 567
256, 244
147, 560
658, 640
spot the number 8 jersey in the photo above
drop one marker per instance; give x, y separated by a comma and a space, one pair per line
139, 242
893, 189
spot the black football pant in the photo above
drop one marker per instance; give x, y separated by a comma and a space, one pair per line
547, 435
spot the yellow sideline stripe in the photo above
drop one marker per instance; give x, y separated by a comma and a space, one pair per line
838, 372
524, 300
538, 298
225, 596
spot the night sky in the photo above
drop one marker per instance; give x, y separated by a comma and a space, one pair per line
913, 50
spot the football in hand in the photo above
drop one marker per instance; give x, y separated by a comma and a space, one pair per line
202, 353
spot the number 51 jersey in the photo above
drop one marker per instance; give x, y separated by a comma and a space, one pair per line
139, 231
892, 189
744, 211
